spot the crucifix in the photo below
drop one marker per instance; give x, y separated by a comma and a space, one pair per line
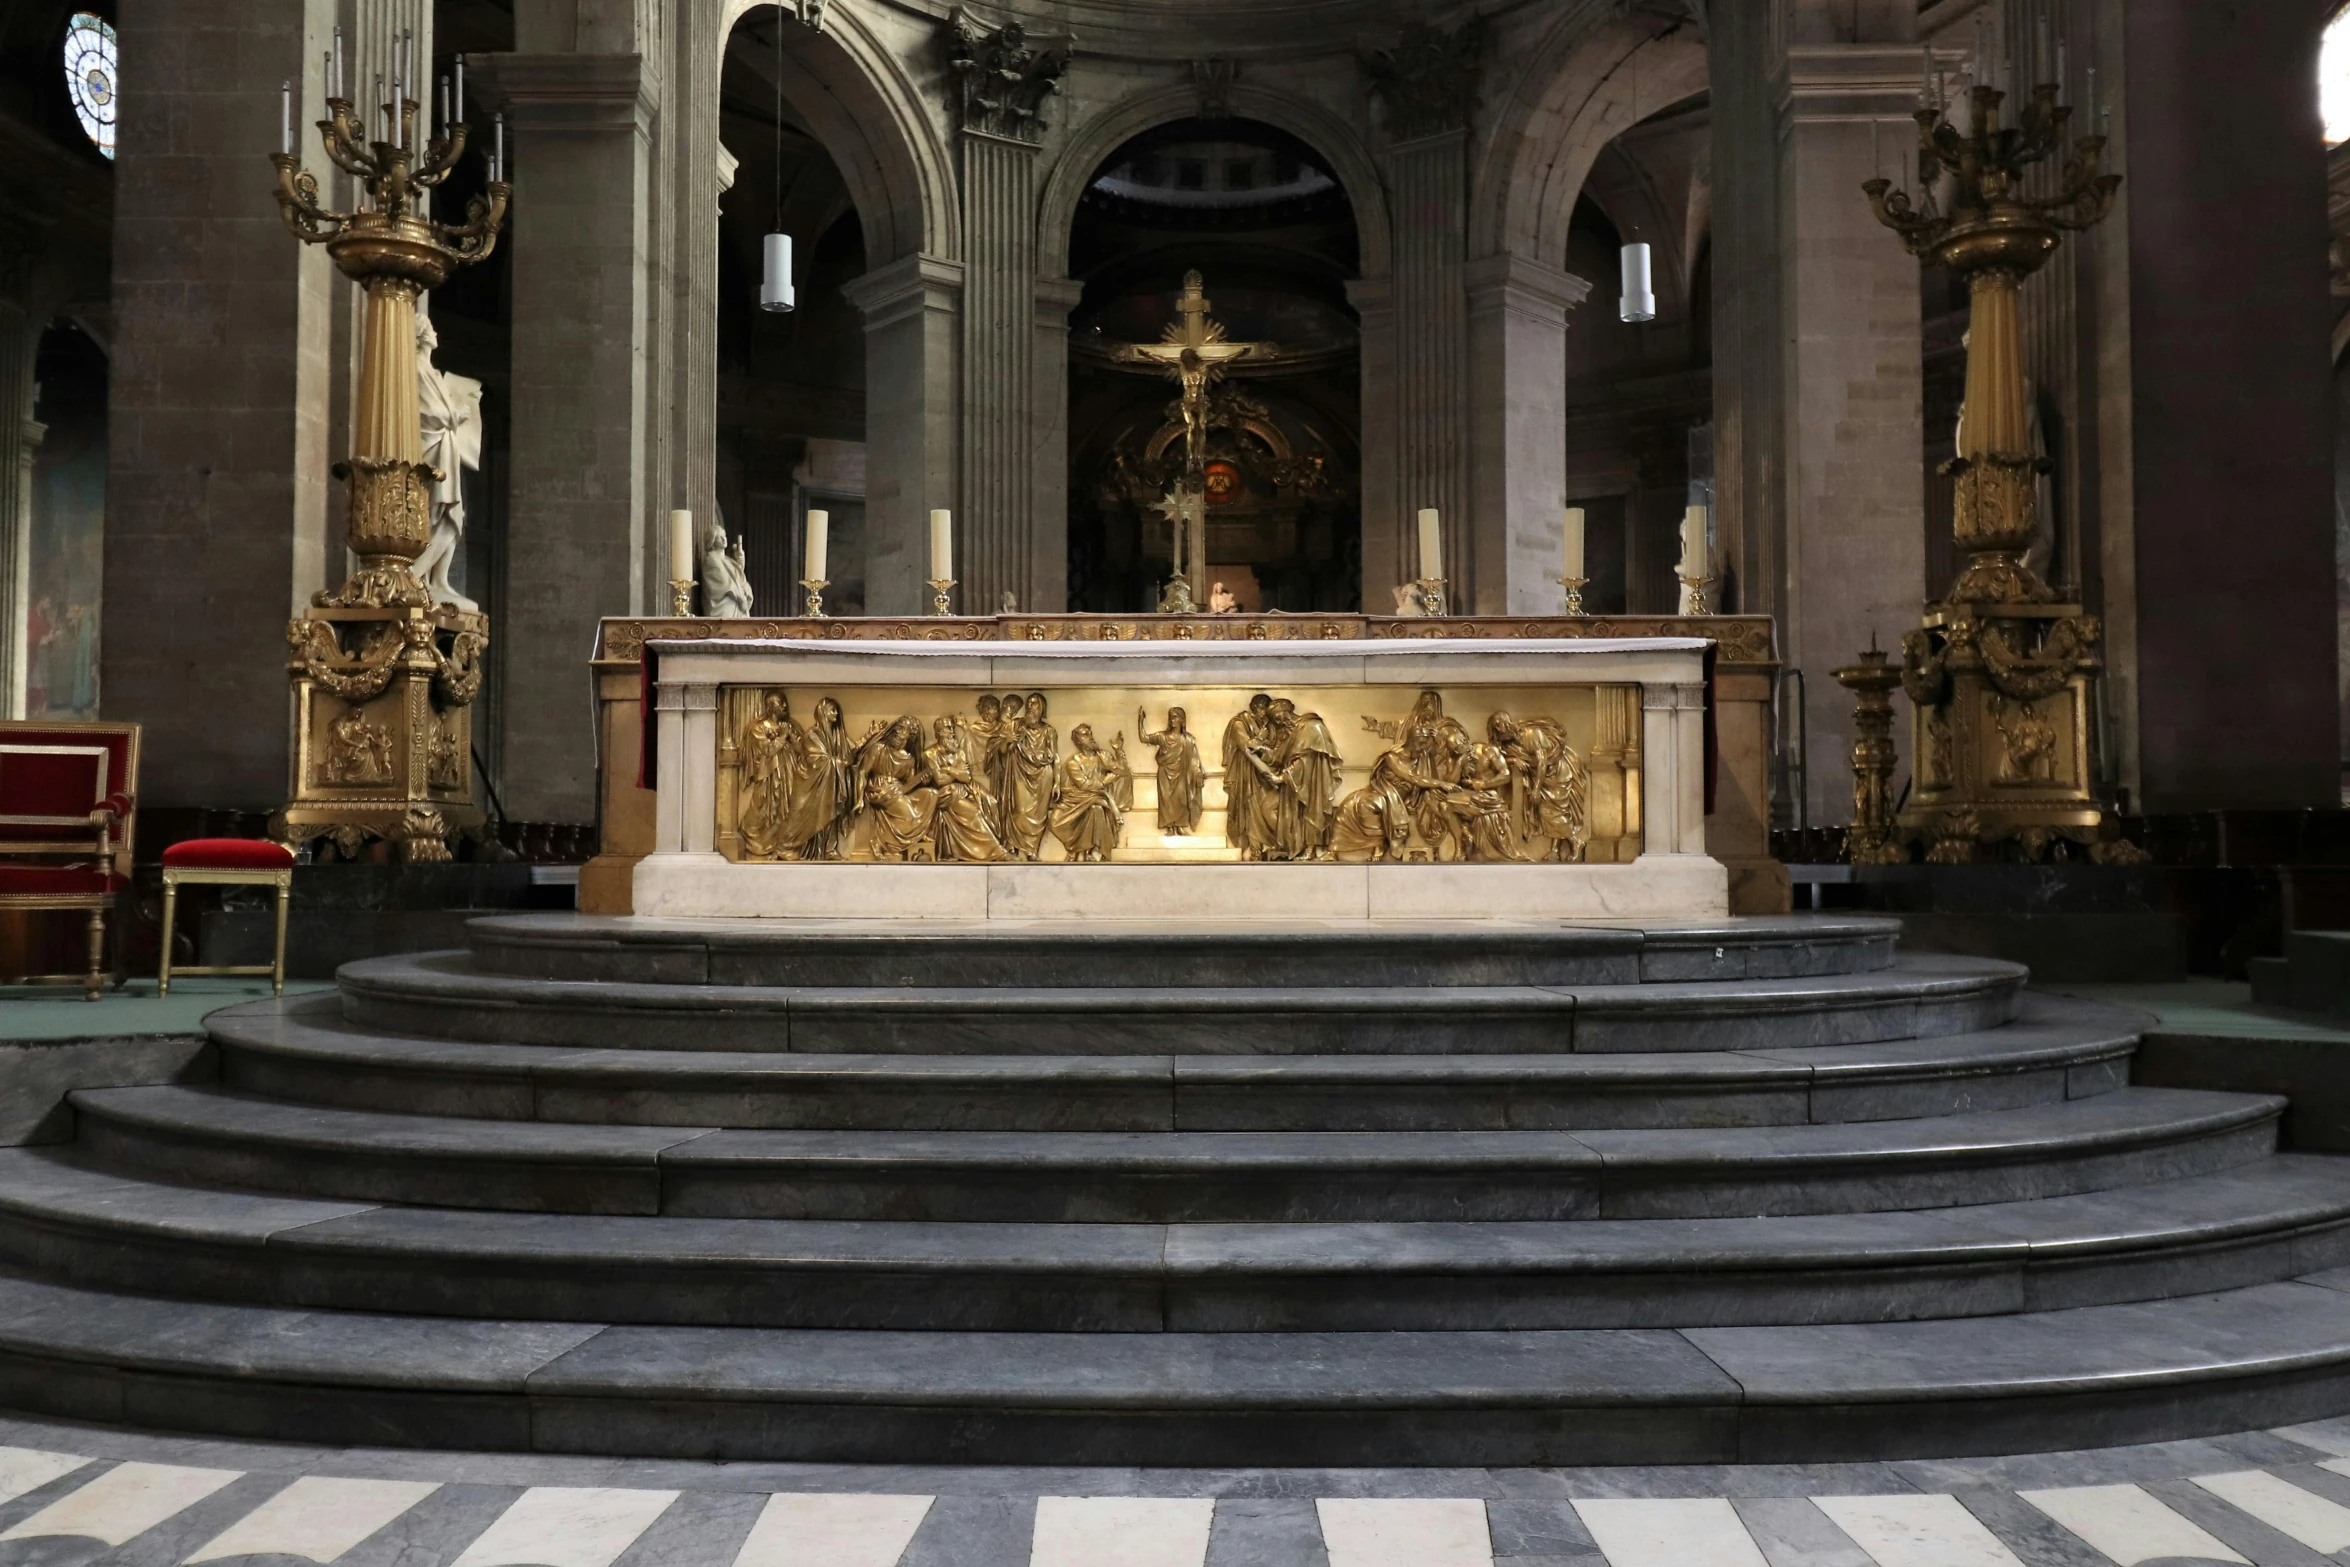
1194, 354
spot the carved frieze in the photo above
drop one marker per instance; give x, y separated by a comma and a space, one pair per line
1000, 79
1428, 81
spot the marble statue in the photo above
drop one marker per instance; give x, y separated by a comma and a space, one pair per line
726, 584
450, 408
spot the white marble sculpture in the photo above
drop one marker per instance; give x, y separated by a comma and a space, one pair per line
726, 584
450, 407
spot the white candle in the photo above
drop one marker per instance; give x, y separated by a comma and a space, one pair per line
819, 525
681, 546
1431, 546
1693, 542
459, 97
942, 545
498, 145
1575, 542
286, 113
337, 75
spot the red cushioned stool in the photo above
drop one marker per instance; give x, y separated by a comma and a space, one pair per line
227, 862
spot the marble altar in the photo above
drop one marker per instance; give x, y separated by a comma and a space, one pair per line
1339, 779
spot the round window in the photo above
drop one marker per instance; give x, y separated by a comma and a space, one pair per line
89, 77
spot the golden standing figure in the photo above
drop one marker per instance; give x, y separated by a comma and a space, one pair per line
1306, 769
1245, 783
983, 740
1035, 749
1085, 817
1182, 777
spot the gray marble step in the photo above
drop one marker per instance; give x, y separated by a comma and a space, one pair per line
2130, 1136
300, 1049
441, 995
1045, 956
2269, 1220
2089, 1376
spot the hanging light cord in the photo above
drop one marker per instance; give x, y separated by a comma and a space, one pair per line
779, 119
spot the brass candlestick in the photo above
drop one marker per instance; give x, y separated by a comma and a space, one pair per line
384, 678
1431, 591
1870, 839
940, 603
815, 587
1574, 587
1693, 601
681, 596
1999, 672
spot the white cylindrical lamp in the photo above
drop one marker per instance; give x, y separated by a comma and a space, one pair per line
775, 290
1639, 293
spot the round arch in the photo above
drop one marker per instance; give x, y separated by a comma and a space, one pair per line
1583, 89
853, 93
1093, 142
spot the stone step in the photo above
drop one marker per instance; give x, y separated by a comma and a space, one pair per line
2130, 1136
1040, 955
2090, 1376
300, 1049
440, 995
2269, 1220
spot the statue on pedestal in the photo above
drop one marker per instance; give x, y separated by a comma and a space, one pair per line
726, 582
450, 408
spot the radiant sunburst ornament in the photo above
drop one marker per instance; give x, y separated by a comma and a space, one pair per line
90, 77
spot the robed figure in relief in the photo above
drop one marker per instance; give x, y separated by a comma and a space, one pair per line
796, 786
1550, 788
964, 825
891, 788
1182, 778
1306, 766
1086, 815
1035, 750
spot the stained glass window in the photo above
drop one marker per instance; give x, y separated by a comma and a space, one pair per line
2333, 79
89, 76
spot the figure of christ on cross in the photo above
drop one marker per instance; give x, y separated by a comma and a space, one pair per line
1194, 354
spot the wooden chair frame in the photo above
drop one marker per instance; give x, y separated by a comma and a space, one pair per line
175, 875
90, 836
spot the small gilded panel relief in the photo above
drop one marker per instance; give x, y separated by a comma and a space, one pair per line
1504, 775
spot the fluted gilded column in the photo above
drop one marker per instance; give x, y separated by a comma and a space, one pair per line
1000, 81
1428, 85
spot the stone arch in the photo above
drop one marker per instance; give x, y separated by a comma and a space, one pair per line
1105, 133
854, 92
1582, 90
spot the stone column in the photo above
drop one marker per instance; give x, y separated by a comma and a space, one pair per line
999, 84
1428, 184
1386, 549
2218, 537
20, 443
217, 445
1055, 298
1517, 430
913, 320
1853, 463
1428, 85
578, 141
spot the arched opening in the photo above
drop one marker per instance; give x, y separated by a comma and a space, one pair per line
67, 558
791, 384
1263, 219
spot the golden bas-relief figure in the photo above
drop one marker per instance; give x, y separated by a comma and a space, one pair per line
992, 782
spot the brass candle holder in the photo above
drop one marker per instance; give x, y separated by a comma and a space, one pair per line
1431, 591
940, 603
814, 586
1693, 598
1870, 839
1574, 587
681, 596
1999, 673
383, 677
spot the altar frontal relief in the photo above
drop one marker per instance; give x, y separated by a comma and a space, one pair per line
1157, 775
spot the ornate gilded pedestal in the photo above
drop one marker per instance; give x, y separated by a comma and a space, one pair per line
2000, 672
383, 678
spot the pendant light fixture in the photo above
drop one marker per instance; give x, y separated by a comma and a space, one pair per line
1639, 296
775, 290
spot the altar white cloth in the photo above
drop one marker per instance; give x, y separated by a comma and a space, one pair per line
1672, 877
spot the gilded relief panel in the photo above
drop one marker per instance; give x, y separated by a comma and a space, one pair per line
1501, 775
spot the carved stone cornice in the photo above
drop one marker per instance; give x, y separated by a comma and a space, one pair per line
1212, 80
1428, 81
1000, 79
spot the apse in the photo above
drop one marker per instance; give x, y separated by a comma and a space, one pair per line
1259, 215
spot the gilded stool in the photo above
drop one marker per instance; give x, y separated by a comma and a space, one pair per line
227, 862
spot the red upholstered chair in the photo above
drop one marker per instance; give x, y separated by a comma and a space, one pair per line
227, 862
68, 801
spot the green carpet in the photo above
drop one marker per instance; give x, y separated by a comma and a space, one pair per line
30, 1012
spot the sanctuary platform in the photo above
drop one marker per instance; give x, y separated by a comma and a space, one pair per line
1335, 779
1525, 1192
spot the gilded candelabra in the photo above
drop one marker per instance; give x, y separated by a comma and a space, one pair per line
1574, 587
1693, 595
1999, 672
1431, 595
384, 678
814, 588
941, 603
1872, 682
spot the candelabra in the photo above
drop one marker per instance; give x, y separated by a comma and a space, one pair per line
384, 678
940, 603
1574, 587
681, 596
1998, 674
1693, 595
814, 587
1431, 591
1872, 682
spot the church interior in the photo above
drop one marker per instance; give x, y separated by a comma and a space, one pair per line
1175, 783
